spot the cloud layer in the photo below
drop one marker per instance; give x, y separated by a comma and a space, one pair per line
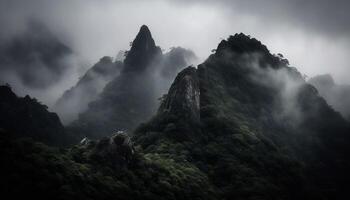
36, 57
312, 34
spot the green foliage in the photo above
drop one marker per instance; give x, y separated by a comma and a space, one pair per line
34, 169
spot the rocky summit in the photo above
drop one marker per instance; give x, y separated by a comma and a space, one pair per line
132, 97
143, 51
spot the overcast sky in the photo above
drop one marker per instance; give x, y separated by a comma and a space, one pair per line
312, 34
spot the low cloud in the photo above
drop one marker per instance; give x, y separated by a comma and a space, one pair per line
337, 95
36, 57
312, 34
90, 85
282, 82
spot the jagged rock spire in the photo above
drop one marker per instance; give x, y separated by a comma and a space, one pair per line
143, 51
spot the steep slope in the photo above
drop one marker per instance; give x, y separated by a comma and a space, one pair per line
76, 99
26, 117
338, 96
132, 97
264, 132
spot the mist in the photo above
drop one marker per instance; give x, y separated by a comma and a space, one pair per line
314, 42
285, 81
337, 95
76, 99
36, 62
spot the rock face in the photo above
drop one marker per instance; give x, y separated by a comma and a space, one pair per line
338, 96
183, 96
26, 117
116, 150
76, 99
132, 97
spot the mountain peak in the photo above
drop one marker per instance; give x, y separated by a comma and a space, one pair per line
142, 52
144, 29
144, 37
241, 43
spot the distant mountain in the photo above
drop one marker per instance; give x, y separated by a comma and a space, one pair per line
132, 97
76, 99
338, 96
26, 117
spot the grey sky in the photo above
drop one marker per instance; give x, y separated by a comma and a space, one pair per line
312, 34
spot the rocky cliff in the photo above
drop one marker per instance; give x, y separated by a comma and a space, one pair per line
183, 96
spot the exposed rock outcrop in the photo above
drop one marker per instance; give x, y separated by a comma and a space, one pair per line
116, 151
183, 96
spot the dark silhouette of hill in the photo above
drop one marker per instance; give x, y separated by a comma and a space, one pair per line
26, 117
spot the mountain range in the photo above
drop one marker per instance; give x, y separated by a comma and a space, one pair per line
243, 124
